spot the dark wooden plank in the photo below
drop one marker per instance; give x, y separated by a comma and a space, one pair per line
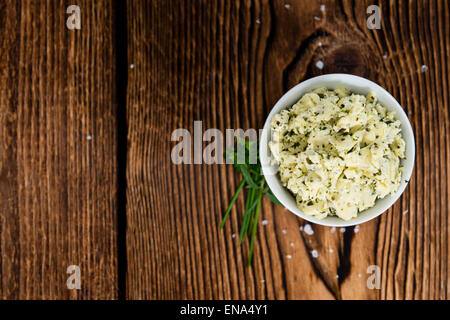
58, 151
9, 223
226, 63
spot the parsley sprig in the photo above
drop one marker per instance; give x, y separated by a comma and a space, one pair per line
255, 185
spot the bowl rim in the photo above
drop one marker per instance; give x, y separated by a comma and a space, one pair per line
268, 170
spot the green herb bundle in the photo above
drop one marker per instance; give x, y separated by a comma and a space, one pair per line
254, 183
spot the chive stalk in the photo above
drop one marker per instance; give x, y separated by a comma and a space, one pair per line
254, 184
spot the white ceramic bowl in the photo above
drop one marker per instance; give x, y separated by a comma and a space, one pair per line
357, 85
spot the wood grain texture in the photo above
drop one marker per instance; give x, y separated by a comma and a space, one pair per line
226, 63
57, 187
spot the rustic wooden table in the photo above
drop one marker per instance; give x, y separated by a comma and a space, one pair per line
86, 176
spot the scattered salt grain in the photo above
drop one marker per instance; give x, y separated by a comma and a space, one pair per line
331, 250
385, 56
89, 138
284, 231
301, 228
309, 241
314, 253
131, 66
356, 229
291, 244
287, 5
424, 68
319, 64
405, 212
320, 44
342, 230
308, 230
359, 275
288, 256
265, 222
322, 7
333, 230
337, 276
233, 235
316, 18
262, 281
258, 21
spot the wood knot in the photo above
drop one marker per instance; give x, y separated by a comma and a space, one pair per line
344, 59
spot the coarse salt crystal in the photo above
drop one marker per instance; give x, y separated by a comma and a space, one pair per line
265, 222
233, 235
316, 18
333, 230
284, 231
287, 5
131, 66
308, 229
424, 68
342, 230
331, 250
319, 64
314, 253
258, 21
322, 7
288, 256
356, 229
89, 137
405, 212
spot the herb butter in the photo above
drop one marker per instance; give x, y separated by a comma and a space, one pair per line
337, 152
